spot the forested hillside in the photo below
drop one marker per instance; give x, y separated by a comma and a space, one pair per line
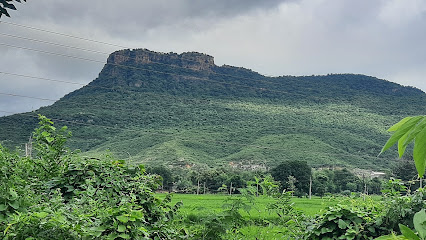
183, 109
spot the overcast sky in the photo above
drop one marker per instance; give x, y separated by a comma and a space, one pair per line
381, 38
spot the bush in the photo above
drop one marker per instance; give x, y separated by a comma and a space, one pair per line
343, 222
78, 198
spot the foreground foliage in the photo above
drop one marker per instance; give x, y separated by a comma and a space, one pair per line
410, 129
58, 194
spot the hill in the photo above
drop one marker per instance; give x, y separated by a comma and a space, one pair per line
182, 109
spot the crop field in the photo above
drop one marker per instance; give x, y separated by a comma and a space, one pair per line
197, 208
205, 204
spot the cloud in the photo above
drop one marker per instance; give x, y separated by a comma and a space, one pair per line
382, 38
129, 16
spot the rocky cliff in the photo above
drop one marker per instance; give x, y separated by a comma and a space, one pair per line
190, 60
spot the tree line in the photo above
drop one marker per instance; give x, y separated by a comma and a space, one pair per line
296, 176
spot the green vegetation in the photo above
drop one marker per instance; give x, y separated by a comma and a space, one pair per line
196, 132
173, 114
204, 204
56, 193
410, 129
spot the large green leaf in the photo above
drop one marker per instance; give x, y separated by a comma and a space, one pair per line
392, 237
3, 207
14, 204
401, 145
419, 127
419, 221
123, 219
401, 130
125, 236
342, 224
399, 124
13, 195
41, 214
121, 228
419, 152
408, 233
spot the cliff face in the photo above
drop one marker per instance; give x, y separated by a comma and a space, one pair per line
190, 60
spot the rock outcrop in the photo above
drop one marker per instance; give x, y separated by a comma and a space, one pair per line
190, 60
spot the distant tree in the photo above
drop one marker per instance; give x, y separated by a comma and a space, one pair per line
320, 183
298, 169
7, 4
345, 180
291, 183
254, 186
165, 173
405, 169
374, 186
236, 181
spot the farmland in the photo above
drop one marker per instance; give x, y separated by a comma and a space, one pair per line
208, 203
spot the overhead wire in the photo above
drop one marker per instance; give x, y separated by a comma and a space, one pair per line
91, 60
155, 71
24, 96
112, 44
52, 43
61, 34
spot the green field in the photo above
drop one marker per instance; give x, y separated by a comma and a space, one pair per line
205, 204
261, 225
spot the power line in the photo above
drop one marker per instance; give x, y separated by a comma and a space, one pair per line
155, 71
116, 45
52, 53
111, 44
61, 34
52, 43
42, 78
107, 54
23, 96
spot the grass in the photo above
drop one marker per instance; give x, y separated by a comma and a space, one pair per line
205, 204
261, 223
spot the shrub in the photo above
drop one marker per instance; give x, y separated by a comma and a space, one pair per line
343, 222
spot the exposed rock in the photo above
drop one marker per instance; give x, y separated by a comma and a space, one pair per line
190, 60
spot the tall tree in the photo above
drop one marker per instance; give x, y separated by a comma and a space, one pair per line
298, 169
405, 169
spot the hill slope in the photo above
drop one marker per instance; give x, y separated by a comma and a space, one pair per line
183, 109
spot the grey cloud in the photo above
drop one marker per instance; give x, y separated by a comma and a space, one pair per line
140, 15
273, 37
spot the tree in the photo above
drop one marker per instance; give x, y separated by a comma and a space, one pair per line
51, 152
320, 183
298, 169
165, 173
7, 4
292, 183
345, 180
404, 169
410, 129
60, 194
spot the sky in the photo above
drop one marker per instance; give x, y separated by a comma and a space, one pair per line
381, 38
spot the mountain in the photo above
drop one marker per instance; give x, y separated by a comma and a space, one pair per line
182, 109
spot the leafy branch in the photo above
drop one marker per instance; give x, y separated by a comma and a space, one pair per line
410, 129
7, 4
